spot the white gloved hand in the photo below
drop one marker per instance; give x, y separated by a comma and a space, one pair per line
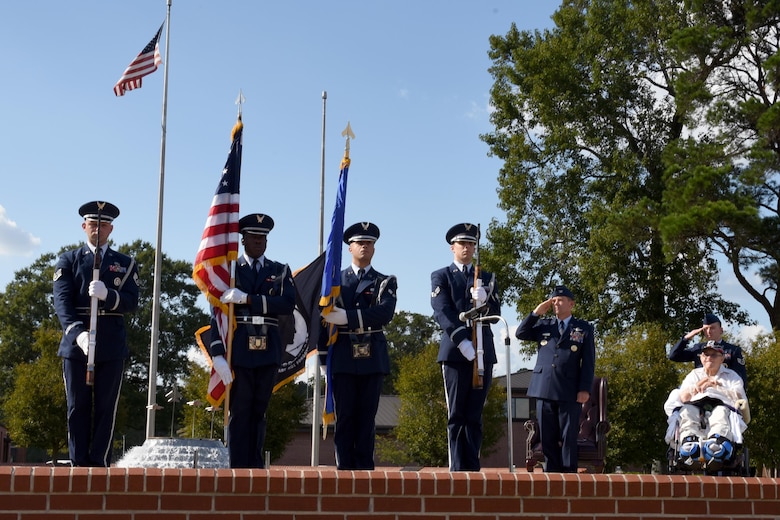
233, 296
337, 316
466, 348
82, 340
323, 371
97, 289
479, 295
222, 369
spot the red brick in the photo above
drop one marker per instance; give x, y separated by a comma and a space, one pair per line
277, 483
114, 516
223, 481
154, 483
60, 480
22, 479
492, 484
116, 479
159, 516
132, 502
496, 505
41, 479
328, 483
75, 502
460, 483
595, 506
293, 481
685, 506
361, 482
437, 505
292, 503
188, 502
638, 506
544, 505
346, 504
427, 483
240, 503
378, 481
397, 504
311, 482
23, 502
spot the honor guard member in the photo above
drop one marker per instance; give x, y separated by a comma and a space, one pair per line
359, 359
263, 292
562, 378
92, 407
454, 293
712, 329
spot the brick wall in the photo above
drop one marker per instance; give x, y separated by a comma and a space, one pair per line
304, 493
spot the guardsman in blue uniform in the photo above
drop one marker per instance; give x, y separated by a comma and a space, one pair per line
454, 293
263, 292
359, 360
92, 408
562, 378
713, 331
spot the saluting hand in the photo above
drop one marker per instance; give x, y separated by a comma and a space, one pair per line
544, 307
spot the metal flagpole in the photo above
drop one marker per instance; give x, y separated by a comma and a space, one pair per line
315, 400
152, 405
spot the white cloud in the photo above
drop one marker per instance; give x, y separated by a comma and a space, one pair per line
13, 240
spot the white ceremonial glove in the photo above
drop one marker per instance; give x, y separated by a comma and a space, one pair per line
466, 348
98, 289
323, 371
82, 340
479, 295
337, 316
222, 369
233, 296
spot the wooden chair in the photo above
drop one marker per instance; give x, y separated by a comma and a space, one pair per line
592, 439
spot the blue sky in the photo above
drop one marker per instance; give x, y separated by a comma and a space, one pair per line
410, 76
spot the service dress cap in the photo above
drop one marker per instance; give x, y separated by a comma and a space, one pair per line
361, 232
709, 319
463, 232
561, 290
256, 224
99, 209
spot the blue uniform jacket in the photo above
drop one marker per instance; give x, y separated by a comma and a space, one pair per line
370, 305
72, 277
564, 365
733, 357
271, 295
450, 295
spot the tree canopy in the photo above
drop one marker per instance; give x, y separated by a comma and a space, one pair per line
638, 141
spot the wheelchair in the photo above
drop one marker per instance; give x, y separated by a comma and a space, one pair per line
717, 456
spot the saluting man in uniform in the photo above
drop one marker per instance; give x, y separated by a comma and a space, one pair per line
454, 292
733, 357
263, 291
562, 378
359, 360
92, 408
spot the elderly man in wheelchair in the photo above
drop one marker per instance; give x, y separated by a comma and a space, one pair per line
707, 415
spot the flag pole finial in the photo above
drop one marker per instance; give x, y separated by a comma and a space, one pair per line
347, 132
240, 100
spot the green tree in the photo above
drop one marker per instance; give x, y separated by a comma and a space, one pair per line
761, 437
407, 333
36, 410
639, 379
722, 180
26, 306
421, 434
584, 116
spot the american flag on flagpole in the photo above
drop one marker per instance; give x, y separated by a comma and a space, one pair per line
143, 65
219, 249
